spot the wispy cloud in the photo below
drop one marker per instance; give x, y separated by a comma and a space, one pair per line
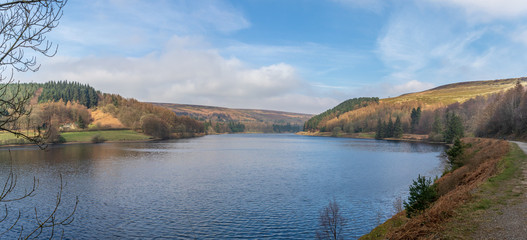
134, 28
488, 10
445, 48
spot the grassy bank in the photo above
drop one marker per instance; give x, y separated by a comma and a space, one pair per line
497, 194
83, 136
481, 184
109, 135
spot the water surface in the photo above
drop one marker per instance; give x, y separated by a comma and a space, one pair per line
221, 187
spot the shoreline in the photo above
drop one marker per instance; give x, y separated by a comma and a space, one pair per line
151, 139
421, 138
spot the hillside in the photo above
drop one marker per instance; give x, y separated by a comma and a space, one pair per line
457, 92
481, 108
253, 120
47, 110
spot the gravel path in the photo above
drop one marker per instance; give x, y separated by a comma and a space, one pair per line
508, 221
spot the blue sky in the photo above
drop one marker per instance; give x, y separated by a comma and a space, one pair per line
295, 55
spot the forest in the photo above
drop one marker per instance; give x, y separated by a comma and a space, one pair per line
64, 106
498, 115
317, 122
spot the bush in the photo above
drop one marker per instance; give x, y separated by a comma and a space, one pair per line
98, 139
422, 194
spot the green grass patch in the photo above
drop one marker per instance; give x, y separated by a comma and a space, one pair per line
7, 138
482, 204
109, 135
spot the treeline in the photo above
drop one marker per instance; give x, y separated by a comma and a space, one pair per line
224, 127
499, 115
69, 92
317, 122
390, 129
153, 120
288, 128
213, 127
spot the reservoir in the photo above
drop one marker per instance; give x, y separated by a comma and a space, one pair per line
240, 186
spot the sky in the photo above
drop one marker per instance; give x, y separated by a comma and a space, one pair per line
290, 55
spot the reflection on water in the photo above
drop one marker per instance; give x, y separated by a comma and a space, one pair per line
227, 186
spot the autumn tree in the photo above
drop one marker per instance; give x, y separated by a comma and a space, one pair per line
154, 126
23, 26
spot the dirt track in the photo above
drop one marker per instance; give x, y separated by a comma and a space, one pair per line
508, 221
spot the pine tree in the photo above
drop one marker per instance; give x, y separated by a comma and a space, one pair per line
397, 128
390, 129
380, 130
415, 116
454, 128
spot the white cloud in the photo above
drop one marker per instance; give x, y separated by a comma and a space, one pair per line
419, 45
187, 71
120, 27
486, 10
409, 87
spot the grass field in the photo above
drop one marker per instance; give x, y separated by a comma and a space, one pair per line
86, 136
109, 135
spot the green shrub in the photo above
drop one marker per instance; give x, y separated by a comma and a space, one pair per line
422, 194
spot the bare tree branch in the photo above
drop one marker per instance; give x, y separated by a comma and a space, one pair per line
23, 26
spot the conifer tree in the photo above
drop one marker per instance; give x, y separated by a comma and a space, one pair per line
397, 128
389, 128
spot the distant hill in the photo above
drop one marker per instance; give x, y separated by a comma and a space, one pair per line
457, 92
485, 108
254, 120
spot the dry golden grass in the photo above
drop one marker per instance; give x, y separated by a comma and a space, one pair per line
482, 160
103, 119
428, 100
457, 92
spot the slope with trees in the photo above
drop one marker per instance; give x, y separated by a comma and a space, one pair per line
492, 109
318, 122
230, 120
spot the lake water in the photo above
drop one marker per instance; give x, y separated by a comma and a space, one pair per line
219, 187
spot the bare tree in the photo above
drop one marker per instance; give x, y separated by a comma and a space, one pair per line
23, 26
331, 222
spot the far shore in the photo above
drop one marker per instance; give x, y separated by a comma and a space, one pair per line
371, 135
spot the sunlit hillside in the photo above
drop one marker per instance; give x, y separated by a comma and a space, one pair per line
253, 120
481, 106
457, 92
